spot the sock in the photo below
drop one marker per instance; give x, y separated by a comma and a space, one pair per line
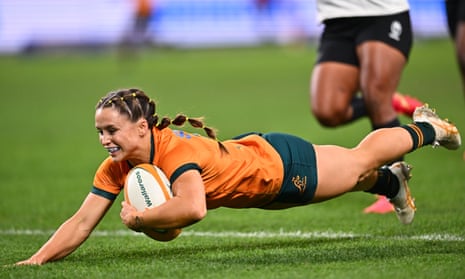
422, 134
387, 184
358, 108
393, 123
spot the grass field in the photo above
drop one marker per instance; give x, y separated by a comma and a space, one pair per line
50, 151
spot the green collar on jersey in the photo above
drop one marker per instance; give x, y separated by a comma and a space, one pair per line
152, 151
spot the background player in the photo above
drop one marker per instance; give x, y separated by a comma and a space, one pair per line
363, 48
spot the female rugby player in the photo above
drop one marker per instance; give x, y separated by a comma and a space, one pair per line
269, 171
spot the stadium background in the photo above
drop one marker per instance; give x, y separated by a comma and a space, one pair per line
50, 149
28, 24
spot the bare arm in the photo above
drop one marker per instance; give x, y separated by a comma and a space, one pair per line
187, 206
73, 232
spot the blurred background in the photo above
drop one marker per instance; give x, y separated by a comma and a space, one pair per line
243, 64
30, 25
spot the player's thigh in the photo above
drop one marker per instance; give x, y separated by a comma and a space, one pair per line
335, 76
460, 41
333, 84
455, 12
383, 47
381, 66
338, 170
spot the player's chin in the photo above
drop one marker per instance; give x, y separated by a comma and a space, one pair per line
115, 159
118, 156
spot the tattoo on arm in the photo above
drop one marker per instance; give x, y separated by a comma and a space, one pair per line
139, 224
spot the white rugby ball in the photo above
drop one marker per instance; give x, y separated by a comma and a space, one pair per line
146, 186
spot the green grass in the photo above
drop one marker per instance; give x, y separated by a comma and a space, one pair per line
50, 152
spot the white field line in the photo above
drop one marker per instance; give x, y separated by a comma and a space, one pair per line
445, 237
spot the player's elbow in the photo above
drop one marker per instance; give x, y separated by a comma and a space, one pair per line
198, 213
194, 214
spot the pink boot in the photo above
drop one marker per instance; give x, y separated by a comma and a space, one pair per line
405, 104
380, 206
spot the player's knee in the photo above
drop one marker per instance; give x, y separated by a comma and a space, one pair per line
329, 117
374, 90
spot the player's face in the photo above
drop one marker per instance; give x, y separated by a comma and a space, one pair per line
118, 135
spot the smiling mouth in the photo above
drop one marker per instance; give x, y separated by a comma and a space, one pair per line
113, 149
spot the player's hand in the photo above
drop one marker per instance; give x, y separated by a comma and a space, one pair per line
131, 217
29, 261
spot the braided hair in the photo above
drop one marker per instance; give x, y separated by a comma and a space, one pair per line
135, 104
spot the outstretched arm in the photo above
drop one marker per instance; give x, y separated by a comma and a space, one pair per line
73, 232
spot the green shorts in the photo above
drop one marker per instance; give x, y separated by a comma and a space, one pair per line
300, 173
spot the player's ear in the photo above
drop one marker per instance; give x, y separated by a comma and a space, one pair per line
142, 126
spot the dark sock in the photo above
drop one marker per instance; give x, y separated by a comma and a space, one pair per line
387, 184
358, 107
393, 123
422, 134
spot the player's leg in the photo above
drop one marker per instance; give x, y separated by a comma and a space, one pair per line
383, 47
456, 23
460, 50
342, 170
333, 86
455, 11
335, 77
358, 169
381, 69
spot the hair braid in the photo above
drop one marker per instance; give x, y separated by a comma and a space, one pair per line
135, 104
181, 119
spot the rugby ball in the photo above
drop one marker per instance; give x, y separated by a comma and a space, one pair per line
146, 186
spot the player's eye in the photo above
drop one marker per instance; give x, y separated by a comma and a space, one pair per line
112, 131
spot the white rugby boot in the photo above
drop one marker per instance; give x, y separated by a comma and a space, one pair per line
447, 134
403, 201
